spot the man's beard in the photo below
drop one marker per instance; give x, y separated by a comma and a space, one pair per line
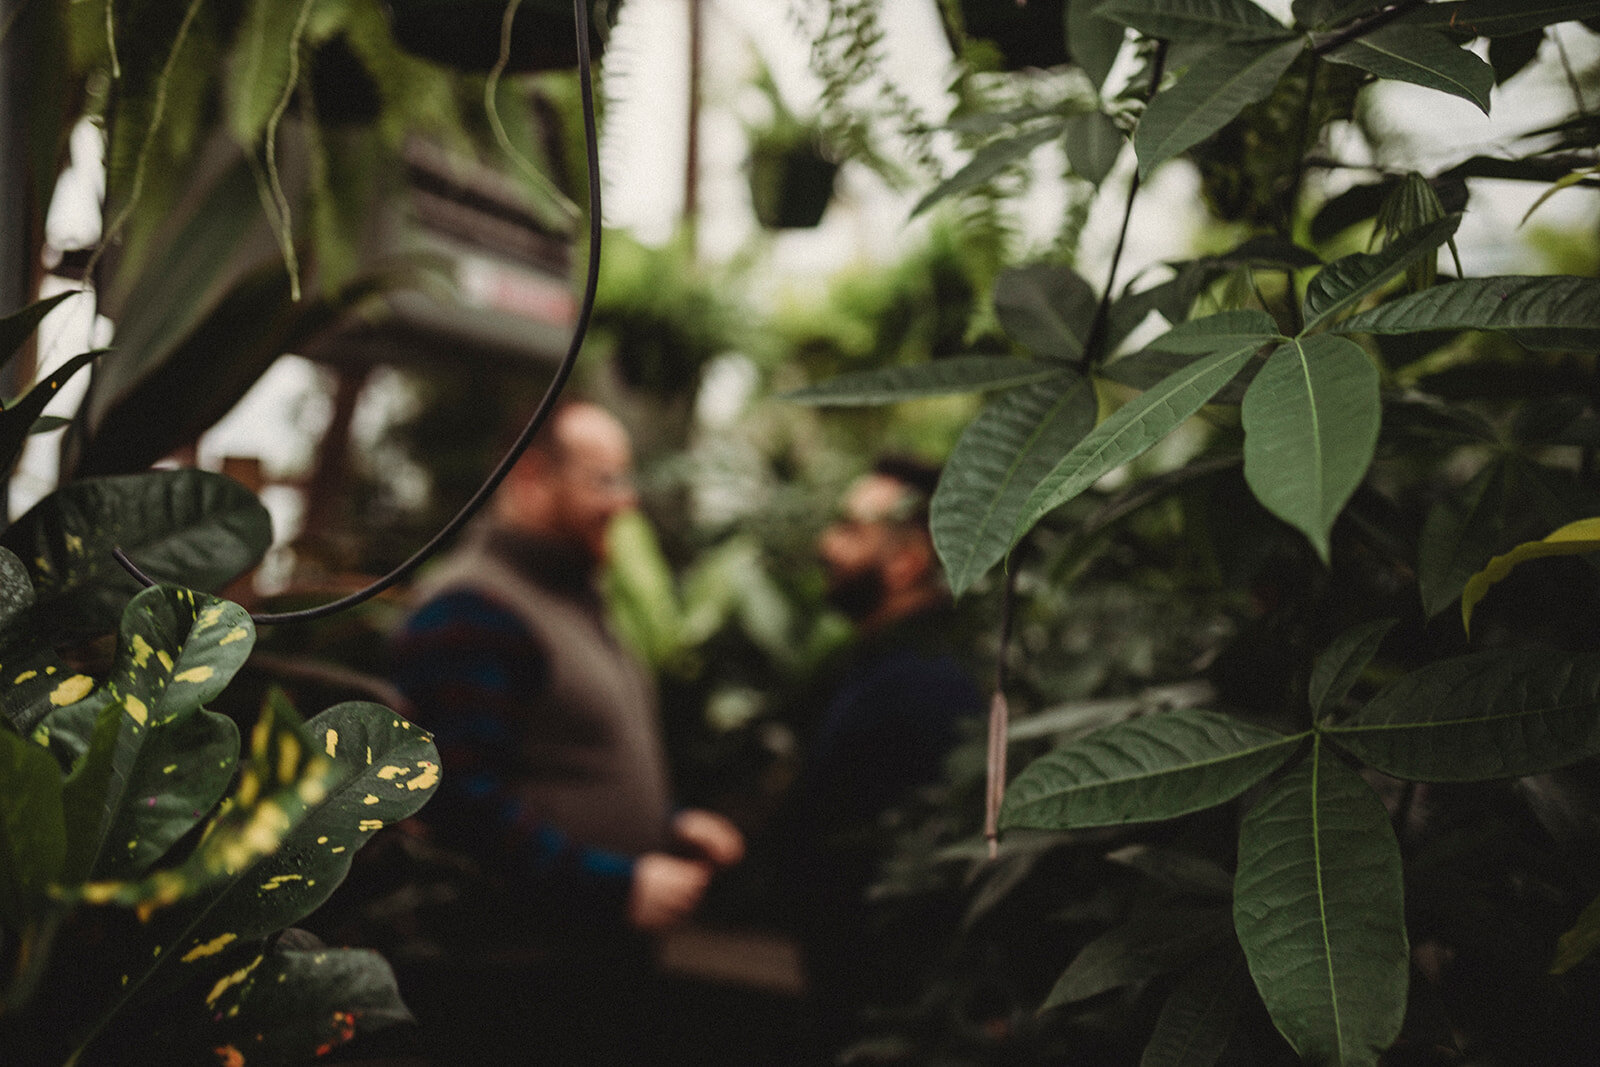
856, 594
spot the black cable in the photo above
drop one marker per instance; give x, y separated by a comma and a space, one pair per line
540, 414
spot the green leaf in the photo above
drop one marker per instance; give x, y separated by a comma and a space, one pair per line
1311, 419
1195, 20
1580, 942
1046, 308
1459, 535
1229, 330
1199, 1017
1496, 18
33, 835
188, 527
1093, 41
991, 161
954, 374
1001, 456
1345, 281
1573, 539
1339, 666
1558, 312
16, 591
1421, 57
1319, 908
1130, 431
1209, 96
1145, 769
1092, 143
1500, 714
17, 327
1152, 942
18, 420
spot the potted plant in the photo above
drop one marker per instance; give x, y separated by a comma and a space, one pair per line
790, 170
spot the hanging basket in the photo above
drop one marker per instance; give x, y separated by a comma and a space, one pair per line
1031, 34
790, 184
465, 34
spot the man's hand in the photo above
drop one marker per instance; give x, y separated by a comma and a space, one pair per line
709, 836
665, 891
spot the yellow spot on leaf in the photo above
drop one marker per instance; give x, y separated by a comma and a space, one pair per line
333, 743
336, 851
169, 768
210, 948
195, 675
74, 544
238, 633
166, 660
141, 650
370, 824
72, 690
136, 709
427, 779
323, 840
288, 759
278, 881
369, 799
209, 616
392, 772
25, 676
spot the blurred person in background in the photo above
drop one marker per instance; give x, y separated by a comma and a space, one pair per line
884, 716
555, 783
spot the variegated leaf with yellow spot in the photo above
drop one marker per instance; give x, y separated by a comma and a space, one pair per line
1575, 538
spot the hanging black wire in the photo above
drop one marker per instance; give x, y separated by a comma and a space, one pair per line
540, 414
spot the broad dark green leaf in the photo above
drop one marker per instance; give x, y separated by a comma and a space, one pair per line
1557, 312
1093, 41
1001, 456
19, 420
1092, 143
1230, 330
1500, 714
1046, 308
1152, 942
1339, 666
187, 527
16, 591
1130, 431
1421, 57
956, 374
17, 327
1209, 96
1145, 769
1200, 1015
1345, 281
1319, 908
1497, 18
1195, 20
1461, 533
990, 161
1311, 419
33, 836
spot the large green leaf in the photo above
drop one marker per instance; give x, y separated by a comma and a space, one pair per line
33, 836
1311, 419
188, 527
16, 592
1145, 769
1001, 456
1046, 308
1573, 539
1152, 942
1558, 312
1200, 1015
1496, 18
1093, 142
1195, 20
1421, 57
1130, 431
1500, 714
1339, 666
955, 374
992, 160
1345, 281
1319, 908
1213, 91
1460, 534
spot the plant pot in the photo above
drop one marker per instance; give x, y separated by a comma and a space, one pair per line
1025, 35
465, 34
790, 186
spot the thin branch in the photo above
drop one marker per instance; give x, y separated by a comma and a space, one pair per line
1362, 27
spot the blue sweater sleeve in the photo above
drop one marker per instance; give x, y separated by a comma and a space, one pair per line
468, 667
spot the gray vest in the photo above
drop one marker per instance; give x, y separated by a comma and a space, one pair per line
592, 763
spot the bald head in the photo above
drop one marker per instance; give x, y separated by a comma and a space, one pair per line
573, 481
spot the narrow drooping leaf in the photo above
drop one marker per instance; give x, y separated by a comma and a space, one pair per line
1459, 535
1500, 714
1130, 431
990, 161
1000, 457
1046, 308
1145, 769
1345, 281
1319, 908
1421, 57
956, 374
1194, 20
1152, 942
1558, 312
1209, 96
1200, 1015
1339, 666
1311, 419
17, 422
1573, 539
33, 836
1496, 18
1229, 330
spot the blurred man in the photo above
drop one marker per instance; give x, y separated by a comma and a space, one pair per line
554, 781
888, 716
